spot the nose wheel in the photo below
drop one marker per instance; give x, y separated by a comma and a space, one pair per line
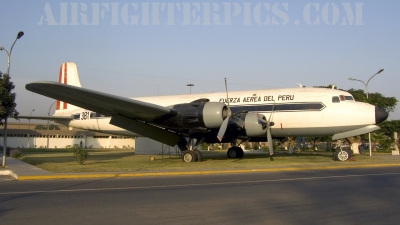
342, 154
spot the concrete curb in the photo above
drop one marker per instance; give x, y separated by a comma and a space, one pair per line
9, 173
5, 172
180, 173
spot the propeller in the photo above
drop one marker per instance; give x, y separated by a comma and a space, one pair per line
224, 124
239, 122
222, 129
269, 136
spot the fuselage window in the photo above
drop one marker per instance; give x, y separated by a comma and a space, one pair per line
349, 98
335, 99
95, 114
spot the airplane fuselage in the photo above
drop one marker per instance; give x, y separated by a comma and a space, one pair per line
294, 111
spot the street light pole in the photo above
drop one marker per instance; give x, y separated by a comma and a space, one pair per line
19, 35
366, 92
48, 133
190, 87
29, 128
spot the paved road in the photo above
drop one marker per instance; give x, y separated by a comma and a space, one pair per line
357, 196
5, 178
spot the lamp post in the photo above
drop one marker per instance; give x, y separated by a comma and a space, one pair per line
19, 35
366, 92
29, 128
190, 87
48, 132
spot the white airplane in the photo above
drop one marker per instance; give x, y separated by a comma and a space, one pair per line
256, 115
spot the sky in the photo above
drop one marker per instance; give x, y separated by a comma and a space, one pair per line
149, 48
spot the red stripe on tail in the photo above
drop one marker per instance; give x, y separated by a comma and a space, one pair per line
65, 81
59, 81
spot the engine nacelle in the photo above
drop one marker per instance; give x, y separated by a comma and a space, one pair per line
214, 114
197, 115
255, 125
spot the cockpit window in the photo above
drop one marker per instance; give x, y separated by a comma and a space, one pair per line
335, 99
349, 98
342, 98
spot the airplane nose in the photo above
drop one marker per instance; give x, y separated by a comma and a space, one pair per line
380, 115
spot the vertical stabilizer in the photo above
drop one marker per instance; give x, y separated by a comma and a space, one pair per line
68, 74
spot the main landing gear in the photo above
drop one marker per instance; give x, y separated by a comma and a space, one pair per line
191, 154
189, 151
235, 152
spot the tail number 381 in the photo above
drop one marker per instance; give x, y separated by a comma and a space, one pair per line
85, 115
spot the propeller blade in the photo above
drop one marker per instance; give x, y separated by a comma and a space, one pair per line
270, 115
239, 122
224, 124
269, 136
222, 129
270, 141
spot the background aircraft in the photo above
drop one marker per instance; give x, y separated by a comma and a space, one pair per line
189, 120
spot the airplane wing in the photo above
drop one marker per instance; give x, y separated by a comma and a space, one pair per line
124, 112
103, 103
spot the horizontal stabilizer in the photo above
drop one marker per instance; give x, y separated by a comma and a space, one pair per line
46, 117
359, 131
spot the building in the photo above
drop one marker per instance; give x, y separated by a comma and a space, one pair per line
34, 135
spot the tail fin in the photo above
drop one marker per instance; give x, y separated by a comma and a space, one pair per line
68, 75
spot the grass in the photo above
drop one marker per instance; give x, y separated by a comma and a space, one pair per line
124, 160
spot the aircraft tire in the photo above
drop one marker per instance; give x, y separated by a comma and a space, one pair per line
199, 155
342, 155
235, 152
189, 156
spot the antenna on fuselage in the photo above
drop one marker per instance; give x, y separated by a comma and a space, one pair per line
226, 90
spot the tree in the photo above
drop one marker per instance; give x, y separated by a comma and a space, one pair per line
376, 99
7, 98
7, 105
384, 136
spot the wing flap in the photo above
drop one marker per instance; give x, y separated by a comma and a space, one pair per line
103, 103
155, 133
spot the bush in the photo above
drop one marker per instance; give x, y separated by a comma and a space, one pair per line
80, 154
15, 153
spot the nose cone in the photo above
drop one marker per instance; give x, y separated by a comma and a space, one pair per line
380, 115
